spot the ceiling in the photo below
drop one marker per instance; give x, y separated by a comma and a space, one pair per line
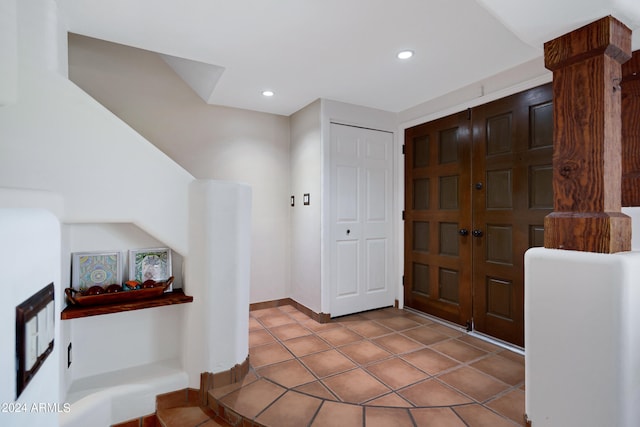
229, 51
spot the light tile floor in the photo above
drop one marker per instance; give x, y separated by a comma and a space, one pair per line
387, 367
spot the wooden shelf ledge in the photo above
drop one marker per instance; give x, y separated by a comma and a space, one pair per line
170, 298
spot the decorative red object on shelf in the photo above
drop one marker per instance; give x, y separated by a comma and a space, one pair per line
110, 295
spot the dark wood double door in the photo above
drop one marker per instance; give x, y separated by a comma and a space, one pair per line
478, 185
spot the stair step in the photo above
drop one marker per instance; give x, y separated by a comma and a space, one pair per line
188, 416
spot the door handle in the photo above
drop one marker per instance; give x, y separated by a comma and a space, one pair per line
463, 232
477, 233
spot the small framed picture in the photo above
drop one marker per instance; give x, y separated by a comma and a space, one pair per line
95, 268
150, 264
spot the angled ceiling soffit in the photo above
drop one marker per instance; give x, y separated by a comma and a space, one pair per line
200, 76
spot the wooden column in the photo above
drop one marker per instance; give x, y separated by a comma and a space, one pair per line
586, 65
631, 131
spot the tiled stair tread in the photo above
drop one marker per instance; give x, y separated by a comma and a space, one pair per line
190, 416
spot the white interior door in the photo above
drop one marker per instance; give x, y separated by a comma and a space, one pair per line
361, 235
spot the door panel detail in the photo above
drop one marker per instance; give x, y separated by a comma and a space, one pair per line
448, 192
421, 276
499, 296
347, 270
449, 286
377, 253
499, 244
449, 239
499, 134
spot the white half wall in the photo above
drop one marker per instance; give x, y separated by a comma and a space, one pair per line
216, 332
29, 260
582, 345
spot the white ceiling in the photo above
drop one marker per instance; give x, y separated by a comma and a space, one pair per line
231, 50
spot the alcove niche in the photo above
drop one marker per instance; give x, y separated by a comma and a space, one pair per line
97, 349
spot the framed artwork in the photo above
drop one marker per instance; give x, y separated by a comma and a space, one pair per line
150, 264
95, 268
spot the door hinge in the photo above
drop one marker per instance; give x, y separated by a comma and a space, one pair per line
468, 113
403, 281
403, 215
403, 148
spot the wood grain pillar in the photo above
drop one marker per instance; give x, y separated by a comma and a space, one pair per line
586, 65
631, 131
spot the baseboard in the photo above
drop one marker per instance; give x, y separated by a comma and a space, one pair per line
318, 317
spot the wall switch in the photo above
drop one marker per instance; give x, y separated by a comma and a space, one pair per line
68, 355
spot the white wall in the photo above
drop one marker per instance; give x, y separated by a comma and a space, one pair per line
95, 171
211, 142
58, 139
8, 52
216, 329
306, 175
582, 345
29, 260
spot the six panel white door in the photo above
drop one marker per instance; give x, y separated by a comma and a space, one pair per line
361, 227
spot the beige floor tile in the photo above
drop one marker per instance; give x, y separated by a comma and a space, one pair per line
458, 350
268, 354
333, 414
251, 400
391, 399
318, 327
425, 335
369, 328
265, 312
479, 416
291, 410
436, 417
303, 346
288, 374
328, 362
502, 368
448, 330
316, 389
512, 355
433, 393
397, 343
273, 320
396, 373
339, 336
398, 323
471, 382
430, 361
185, 416
510, 404
355, 386
345, 371
260, 337
289, 331
254, 324
365, 352
387, 417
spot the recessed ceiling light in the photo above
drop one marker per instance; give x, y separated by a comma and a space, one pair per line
405, 54
267, 93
